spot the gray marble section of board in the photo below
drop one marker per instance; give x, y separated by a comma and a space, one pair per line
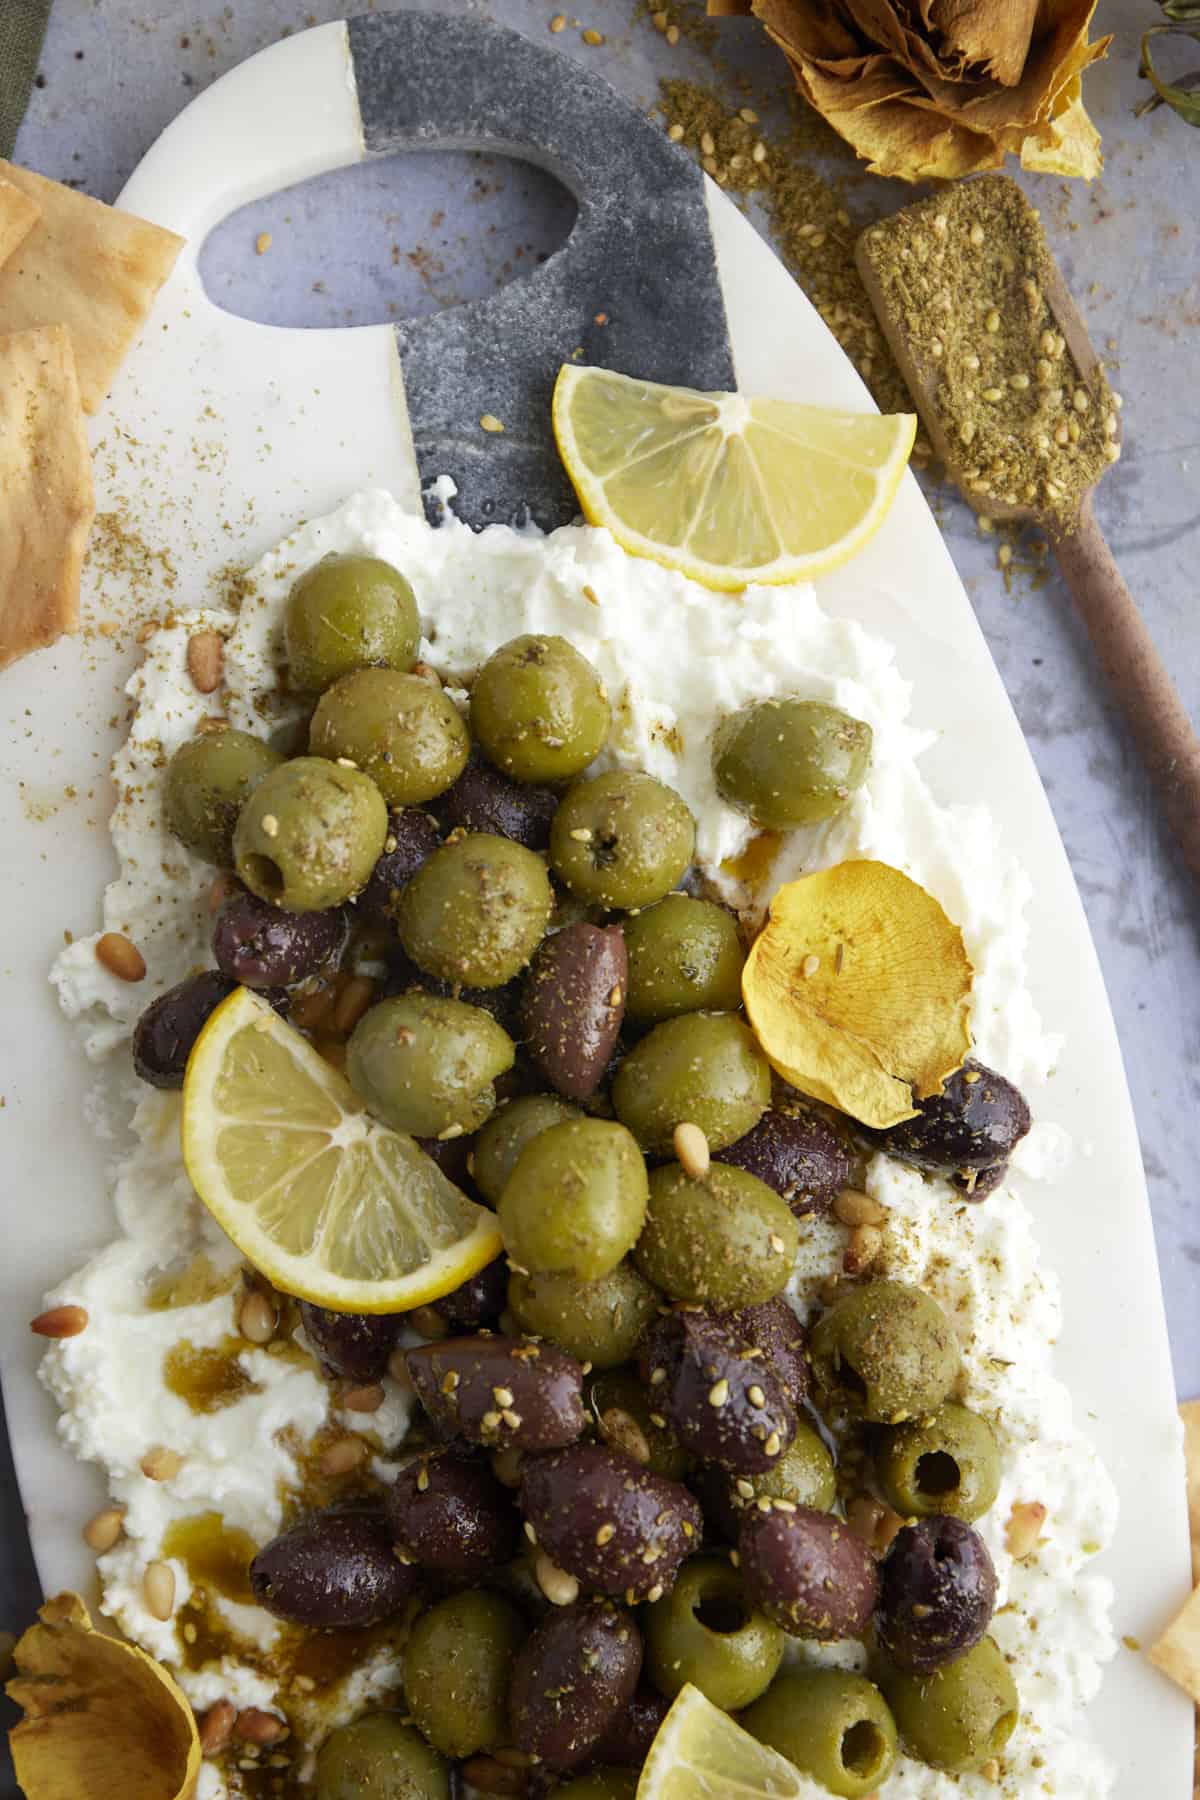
116, 73
640, 254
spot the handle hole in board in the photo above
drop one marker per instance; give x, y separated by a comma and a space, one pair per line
395, 237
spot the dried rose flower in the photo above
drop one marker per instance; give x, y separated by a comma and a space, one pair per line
942, 88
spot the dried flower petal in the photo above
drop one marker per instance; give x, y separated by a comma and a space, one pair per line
886, 1018
949, 88
101, 1717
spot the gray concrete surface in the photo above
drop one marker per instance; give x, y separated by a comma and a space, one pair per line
116, 71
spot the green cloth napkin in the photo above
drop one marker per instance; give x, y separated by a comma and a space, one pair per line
22, 28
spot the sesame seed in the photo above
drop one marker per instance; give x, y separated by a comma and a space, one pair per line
745, 1488
657, 1377
270, 825
656, 1593
502, 1396
972, 363
657, 1420
991, 393
675, 133
992, 322
593, 37
1081, 399
759, 152
423, 1479
966, 431
489, 422
708, 143
773, 1444
777, 1244
581, 835
1112, 452
941, 224
756, 1396
449, 1381
1019, 382
936, 348
1061, 434
262, 243
558, 22
659, 20
672, 35
1004, 555
718, 1393
530, 1533
605, 1535
490, 1422
976, 235
809, 966
511, 1419
763, 1503
748, 116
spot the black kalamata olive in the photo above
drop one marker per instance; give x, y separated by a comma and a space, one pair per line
974, 1123
773, 1328
626, 1743
807, 1571
571, 1680
797, 1152
609, 1521
164, 1035
450, 1514
412, 838
573, 1005
482, 799
479, 1301
937, 1594
355, 1346
333, 1571
724, 1403
262, 946
499, 1391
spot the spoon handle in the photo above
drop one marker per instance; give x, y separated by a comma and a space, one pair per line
1126, 652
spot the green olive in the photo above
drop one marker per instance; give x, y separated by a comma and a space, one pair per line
831, 1724
208, 781
539, 709
959, 1717
623, 840
349, 612
724, 1241
886, 1352
506, 1134
706, 1632
597, 1322
310, 834
803, 1474
618, 1401
427, 1065
575, 1201
457, 1665
399, 729
705, 1069
476, 911
790, 762
379, 1757
599, 1784
947, 1464
685, 956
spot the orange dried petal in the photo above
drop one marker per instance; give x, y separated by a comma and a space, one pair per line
101, 1717
858, 989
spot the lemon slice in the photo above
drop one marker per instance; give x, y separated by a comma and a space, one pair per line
725, 489
700, 1754
326, 1202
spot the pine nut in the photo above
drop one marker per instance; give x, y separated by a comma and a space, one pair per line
60, 1322
158, 1590
257, 1318
216, 1727
621, 1429
691, 1148
559, 1588
366, 1399
1024, 1528
342, 1455
853, 1208
115, 953
161, 1464
866, 1241
257, 1727
205, 660
104, 1528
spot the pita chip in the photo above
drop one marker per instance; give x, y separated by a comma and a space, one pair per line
18, 215
46, 499
86, 266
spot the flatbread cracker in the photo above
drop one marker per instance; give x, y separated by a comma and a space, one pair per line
46, 498
1189, 1412
1177, 1652
19, 213
88, 267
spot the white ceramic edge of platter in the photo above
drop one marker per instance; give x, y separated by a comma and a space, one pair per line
299, 443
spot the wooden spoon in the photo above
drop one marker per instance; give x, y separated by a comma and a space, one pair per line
1123, 645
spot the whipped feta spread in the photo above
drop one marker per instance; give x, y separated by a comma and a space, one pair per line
675, 657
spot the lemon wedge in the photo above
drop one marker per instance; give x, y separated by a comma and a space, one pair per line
700, 1754
326, 1202
725, 489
